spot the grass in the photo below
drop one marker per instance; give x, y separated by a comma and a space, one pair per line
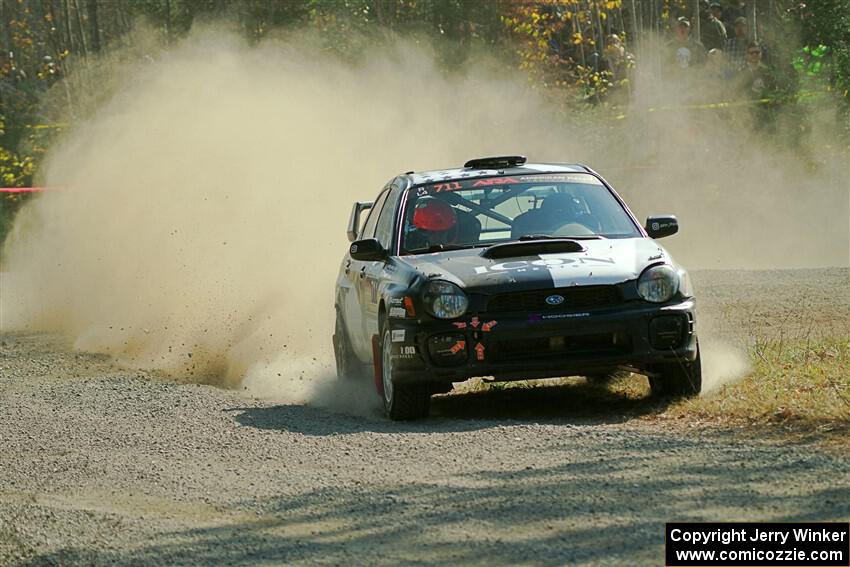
801, 386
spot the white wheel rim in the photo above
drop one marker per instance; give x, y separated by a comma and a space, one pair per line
387, 369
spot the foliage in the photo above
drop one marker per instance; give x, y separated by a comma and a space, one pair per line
567, 44
826, 52
826, 38
15, 171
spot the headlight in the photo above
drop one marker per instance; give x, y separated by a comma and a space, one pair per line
658, 283
445, 300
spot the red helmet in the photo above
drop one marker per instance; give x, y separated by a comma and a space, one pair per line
434, 215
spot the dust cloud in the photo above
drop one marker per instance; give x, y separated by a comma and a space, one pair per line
198, 217
722, 363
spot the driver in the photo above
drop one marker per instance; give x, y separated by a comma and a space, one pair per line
557, 210
434, 222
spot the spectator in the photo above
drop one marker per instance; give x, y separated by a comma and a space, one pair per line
714, 32
684, 51
616, 59
755, 79
735, 10
617, 62
736, 46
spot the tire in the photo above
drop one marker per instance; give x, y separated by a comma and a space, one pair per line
677, 379
348, 367
401, 401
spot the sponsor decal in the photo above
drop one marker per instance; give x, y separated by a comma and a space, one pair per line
494, 181
397, 335
542, 264
444, 186
475, 323
563, 177
565, 269
457, 347
457, 185
397, 312
479, 351
537, 317
565, 315
405, 352
451, 186
405, 303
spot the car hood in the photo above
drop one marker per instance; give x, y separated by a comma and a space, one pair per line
603, 261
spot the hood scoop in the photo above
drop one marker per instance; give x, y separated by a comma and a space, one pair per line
531, 248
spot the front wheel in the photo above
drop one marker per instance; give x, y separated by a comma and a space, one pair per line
677, 379
401, 401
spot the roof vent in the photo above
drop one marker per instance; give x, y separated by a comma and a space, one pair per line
495, 162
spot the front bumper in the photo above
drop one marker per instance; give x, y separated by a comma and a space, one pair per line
543, 345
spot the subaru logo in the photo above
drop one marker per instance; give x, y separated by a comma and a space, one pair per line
555, 299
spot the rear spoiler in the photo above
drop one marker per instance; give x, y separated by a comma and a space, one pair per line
354, 219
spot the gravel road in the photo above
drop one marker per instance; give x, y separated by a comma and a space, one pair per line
104, 465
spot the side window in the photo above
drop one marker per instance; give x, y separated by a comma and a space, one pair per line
369, 228
384, 229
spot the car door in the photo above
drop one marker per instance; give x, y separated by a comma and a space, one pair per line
356, 270
377, 271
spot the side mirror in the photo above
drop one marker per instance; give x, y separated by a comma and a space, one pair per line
354, 219
661, 226
368, 250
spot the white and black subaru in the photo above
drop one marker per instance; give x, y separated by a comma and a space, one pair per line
513, 271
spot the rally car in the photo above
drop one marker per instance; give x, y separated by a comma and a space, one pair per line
510, 271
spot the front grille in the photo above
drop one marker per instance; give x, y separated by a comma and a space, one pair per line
578, 297
600, 344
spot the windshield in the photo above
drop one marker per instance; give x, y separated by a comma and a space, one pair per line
480, 212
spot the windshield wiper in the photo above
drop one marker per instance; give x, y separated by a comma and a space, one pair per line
526, 237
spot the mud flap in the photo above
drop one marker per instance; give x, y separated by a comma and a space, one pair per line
379, 370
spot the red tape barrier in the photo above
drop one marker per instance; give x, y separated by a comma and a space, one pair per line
21, 189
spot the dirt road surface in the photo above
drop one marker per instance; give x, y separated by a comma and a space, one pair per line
104, 465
